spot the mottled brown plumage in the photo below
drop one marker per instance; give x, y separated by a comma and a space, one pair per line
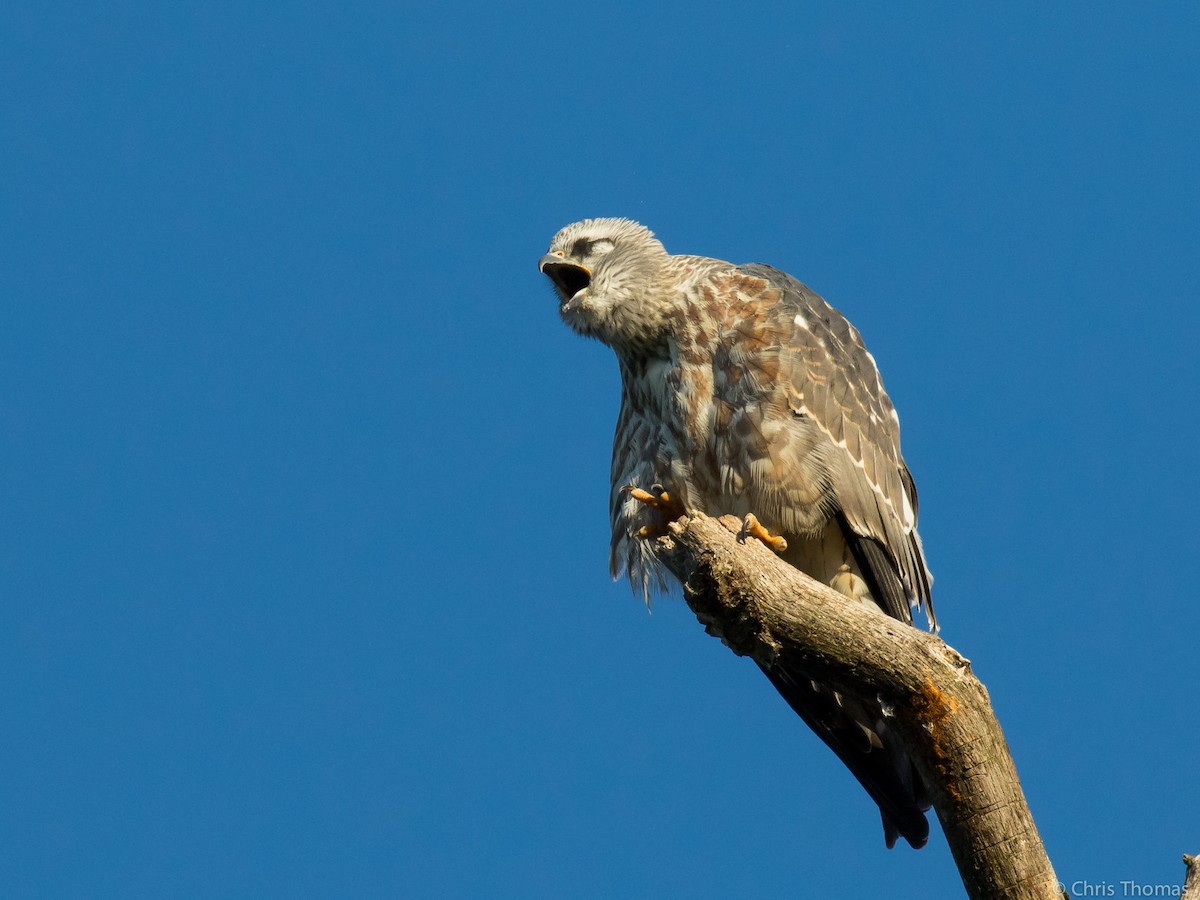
745, 392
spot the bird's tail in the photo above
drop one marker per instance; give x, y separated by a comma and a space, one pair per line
857, 731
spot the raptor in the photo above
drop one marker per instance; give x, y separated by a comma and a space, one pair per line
743, 392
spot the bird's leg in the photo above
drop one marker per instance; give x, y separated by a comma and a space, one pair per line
656, 498
751, 527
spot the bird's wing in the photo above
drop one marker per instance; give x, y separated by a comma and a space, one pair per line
833, 381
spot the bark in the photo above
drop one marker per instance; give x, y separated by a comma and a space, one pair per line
1191, 884
767, 610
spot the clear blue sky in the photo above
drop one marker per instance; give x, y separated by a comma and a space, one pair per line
303, 583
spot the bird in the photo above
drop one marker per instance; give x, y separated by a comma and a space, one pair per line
745, 393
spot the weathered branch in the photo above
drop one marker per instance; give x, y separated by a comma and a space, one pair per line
1191, 884
767, 610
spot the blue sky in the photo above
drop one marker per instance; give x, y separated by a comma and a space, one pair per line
303, 574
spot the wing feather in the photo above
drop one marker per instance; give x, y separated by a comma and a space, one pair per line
871, 486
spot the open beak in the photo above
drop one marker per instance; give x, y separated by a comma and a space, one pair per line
569, 278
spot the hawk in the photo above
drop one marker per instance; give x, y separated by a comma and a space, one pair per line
743, 392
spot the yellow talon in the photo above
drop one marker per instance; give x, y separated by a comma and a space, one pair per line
659, 500
751, 527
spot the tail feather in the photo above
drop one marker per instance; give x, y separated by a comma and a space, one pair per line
857, 731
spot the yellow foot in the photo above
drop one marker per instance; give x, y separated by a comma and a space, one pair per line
751, 527
656, 498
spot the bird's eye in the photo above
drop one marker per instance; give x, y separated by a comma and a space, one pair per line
584, 248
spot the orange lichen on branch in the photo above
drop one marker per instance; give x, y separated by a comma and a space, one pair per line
933, 704
934, 708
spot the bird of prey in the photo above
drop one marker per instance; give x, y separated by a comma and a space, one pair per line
745, 393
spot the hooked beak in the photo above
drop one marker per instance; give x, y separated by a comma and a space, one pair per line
569, 278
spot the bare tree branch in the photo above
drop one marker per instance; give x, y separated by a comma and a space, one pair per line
1191, 884
767, 610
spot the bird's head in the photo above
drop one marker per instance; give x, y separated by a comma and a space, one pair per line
605, 272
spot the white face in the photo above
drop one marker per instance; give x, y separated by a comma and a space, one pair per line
580, 255
596, 267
